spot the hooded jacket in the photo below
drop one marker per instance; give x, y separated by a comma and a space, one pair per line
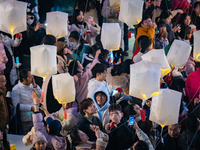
102, 112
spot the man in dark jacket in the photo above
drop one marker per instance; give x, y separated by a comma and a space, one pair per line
120, 135
87, 109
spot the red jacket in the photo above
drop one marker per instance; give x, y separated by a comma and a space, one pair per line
182, 4
192, 85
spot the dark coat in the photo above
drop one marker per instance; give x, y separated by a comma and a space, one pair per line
84, 125
4, 109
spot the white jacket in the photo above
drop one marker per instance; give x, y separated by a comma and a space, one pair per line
23, 94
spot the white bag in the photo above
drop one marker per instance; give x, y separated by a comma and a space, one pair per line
131, 11
13, 17
179, 53
196, 53
111, 36
57, 24
144, 79
165, 107
158, 56
43, 60
114, 3
63, 88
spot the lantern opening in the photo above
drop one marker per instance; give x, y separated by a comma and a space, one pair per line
154, 94
165, 71
198, 57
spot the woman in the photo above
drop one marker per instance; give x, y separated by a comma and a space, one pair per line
21, 94
81, 78
61, 58
79, 140
88, 30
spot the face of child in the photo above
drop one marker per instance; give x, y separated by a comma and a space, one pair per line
29, 79
101, 99
168, 20
187, 20
102, 76
80, 17
91, 109
40, 145
116, 116
197, 10
147, 23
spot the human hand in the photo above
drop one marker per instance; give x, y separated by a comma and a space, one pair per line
97, 54
175, 29
33, 82
18, 35
135, 126
38, 26
67, 51
107, 128
196, 101
117, 95
36, 100
91, 21
18, 65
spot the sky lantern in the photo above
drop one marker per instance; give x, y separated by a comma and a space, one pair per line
179, 53
196, 52
144, 79
165, 107
131, 11
114, 3
63, 88
57, 24
43, 60
13, 17
111, 36
158, 56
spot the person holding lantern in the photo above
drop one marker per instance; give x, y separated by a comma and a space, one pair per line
21, 95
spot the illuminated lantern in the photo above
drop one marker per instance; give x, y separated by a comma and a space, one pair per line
158, 56
43, 60
179, 53
63, 88
13, 17
165, 107
144, 79
111, 36
131, 11
57, 24
196, 53
114, 3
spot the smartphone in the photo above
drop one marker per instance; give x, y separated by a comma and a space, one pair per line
131, 120
17, 61
111, 57
114, 92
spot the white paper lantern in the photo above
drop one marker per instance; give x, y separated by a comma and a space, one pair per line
43, 60
63, 88
158, 56
57, 23
144, 79
165, 107
2, 1
13, 17
179, 53
196, 53
114, 3
131, 11
111, 36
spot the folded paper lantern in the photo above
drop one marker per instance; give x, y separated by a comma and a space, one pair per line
165, 107
131, 11
63, 88
179, 53
57, 23
196, 53
43, 60
158, 56
111, 36
13, 17
114, 3
144, 79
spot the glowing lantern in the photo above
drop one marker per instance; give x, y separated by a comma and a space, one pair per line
131, 11
63, 88
111, 36
144, 79
13, 17
57, 23
43, 60
114, 3
179, 53
165, 107
158, 56
196, 53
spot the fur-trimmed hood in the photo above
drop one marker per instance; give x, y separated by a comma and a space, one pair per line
116, 81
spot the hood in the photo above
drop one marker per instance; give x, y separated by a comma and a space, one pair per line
100, 111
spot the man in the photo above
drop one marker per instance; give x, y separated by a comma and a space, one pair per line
3, 105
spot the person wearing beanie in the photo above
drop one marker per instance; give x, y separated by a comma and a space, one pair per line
54, 139
62, 59
39, 142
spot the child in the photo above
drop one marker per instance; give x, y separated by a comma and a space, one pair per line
39, 142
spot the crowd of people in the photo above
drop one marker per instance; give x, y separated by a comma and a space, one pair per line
99, 116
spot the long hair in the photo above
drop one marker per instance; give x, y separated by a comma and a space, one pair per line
74, 18
73, 66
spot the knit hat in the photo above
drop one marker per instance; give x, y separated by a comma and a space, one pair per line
54, 126
38, 136
60, 45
